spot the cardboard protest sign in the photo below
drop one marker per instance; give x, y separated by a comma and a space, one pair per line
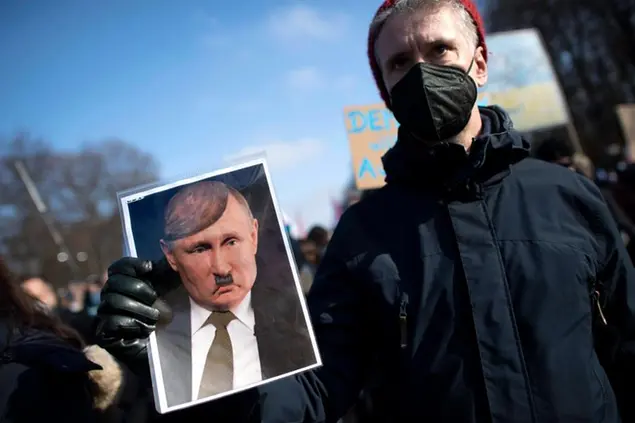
371, 130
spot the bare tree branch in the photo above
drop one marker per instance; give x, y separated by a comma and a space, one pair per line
79, 190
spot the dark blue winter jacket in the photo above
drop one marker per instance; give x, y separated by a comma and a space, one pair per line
463, 291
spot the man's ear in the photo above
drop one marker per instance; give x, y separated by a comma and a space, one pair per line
254, 235
479, 68
169, 256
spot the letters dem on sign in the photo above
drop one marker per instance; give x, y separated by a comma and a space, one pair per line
374, 131
374, 120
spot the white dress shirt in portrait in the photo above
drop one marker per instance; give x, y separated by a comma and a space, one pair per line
247, 368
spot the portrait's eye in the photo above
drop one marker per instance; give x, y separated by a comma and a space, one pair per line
231, 242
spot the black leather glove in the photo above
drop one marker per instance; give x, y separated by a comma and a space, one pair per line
130, 310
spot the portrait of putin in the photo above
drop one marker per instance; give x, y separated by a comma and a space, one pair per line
211, 240
237, 318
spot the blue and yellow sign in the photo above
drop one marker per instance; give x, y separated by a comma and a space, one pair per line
522, 81
371, 130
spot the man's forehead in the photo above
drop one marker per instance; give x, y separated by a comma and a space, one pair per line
429, 24
435, 23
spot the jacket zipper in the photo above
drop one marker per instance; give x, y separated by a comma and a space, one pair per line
596, 286
403, 320
596, 300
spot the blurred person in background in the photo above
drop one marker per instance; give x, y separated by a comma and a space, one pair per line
351, 195
41, 291
46, 370
65, 298
582, 164
562, 152
294, 242
307, 271
94, 284
320, 237
313, 248
73, 315
557, 151
77, 291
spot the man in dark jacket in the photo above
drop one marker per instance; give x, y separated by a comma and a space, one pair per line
464, 290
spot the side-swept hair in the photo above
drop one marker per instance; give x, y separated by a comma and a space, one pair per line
198, 206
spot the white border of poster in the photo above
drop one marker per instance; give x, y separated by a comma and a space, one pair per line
139, 193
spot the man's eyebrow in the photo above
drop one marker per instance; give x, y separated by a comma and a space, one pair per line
438, 39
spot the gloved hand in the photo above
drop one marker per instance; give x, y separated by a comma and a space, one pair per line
130, 309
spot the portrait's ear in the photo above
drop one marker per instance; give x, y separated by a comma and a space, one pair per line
479, 69
167, 252
254, 235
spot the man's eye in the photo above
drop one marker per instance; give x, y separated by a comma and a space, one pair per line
232, 242
198, 250
399, 63
440, 50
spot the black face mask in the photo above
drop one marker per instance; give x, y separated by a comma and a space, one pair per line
434, 102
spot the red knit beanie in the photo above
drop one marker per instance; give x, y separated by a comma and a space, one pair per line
469, 6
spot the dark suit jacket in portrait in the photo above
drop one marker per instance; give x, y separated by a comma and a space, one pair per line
284, 344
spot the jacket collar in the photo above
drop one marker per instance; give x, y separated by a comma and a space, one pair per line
444, 166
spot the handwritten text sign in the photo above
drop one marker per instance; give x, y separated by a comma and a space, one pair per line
371, 130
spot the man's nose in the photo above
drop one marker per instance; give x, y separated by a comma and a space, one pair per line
219, 263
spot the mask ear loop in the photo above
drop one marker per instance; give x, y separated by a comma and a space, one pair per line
471, 63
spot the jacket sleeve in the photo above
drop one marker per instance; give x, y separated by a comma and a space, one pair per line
338, 316
616, 276
39, 395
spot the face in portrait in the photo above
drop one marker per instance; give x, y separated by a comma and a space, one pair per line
211, 240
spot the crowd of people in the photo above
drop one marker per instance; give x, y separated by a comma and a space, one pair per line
480, 284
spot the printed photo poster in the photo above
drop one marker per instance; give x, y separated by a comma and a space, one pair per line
236, 316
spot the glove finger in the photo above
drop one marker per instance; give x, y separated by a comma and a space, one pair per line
131, 287
163, 278
117, 304
130, 266
123, 327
